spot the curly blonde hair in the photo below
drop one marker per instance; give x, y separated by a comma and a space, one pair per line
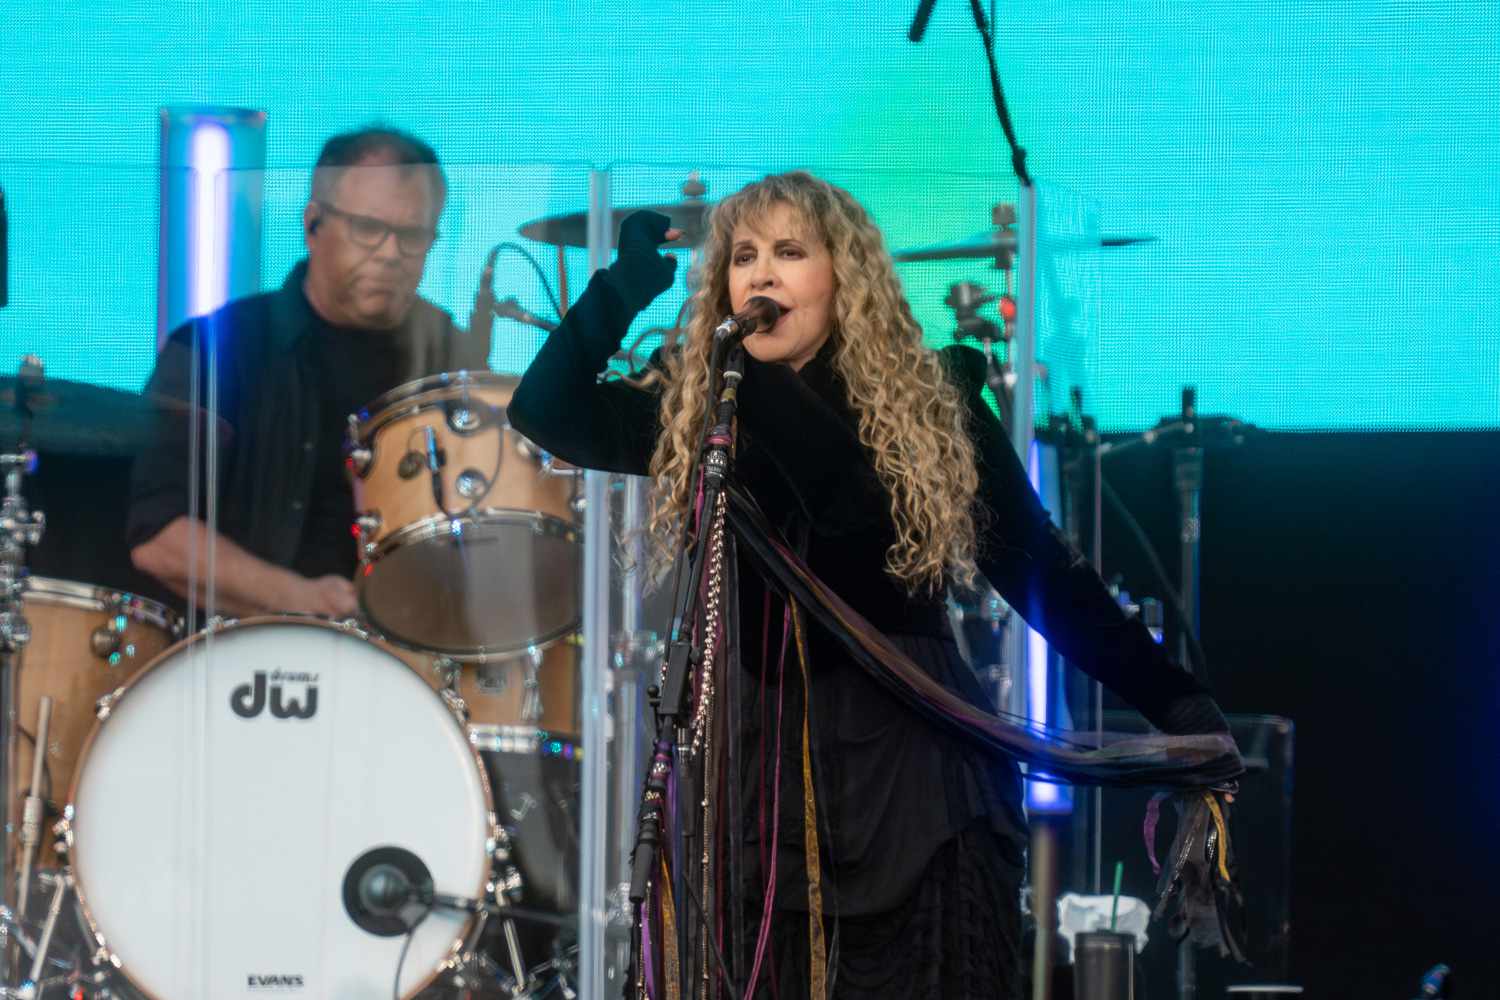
911, 419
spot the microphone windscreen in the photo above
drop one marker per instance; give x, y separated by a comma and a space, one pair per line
764, 311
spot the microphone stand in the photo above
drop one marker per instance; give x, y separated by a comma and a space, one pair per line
1187, 479
671, 700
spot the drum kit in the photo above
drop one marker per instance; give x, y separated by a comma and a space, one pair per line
283, 804
286, 805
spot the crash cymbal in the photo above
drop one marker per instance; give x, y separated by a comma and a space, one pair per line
990, 244
572, 229
79, 418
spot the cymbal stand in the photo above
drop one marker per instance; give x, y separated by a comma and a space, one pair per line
18, 529
31, 816
30, 987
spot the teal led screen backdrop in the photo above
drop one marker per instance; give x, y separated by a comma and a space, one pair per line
1322, 180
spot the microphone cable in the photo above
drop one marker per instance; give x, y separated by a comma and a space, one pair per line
411, 932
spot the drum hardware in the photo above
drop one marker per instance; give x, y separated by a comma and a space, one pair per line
411, 465
470, 416
109, 642
125, 904
366, 527
20, 528
39, 948
31, 812
471, 484
551, 468
531, 706
31, 987
513, 536
106, 703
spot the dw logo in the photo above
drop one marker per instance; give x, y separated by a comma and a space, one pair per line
248, 700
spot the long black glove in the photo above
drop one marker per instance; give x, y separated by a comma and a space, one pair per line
641, 271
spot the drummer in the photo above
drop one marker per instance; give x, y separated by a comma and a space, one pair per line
345, 326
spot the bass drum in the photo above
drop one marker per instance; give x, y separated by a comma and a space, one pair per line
227, 792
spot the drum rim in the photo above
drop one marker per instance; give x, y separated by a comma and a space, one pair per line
421, 394
436, 525
493, 837
93, 597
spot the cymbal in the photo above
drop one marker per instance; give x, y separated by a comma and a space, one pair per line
80, 418
572, 229
990, 244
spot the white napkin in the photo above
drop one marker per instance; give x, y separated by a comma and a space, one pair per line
1076, 913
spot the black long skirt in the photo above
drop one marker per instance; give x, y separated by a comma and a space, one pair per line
957, 937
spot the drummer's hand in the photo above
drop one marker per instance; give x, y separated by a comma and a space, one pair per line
331, 596
641, 271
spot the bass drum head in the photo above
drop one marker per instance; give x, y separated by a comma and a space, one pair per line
220, 803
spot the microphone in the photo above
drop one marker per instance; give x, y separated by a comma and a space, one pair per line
386, 891
760, 313
509, 308
434, 466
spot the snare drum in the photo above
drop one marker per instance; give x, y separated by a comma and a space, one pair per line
86, 641
229, 791
468, 545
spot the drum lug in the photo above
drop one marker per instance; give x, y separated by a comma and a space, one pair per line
449, 671
62, 833
106, 704
359, 460
367, 525
467, 416
357, 456
508, 886
531, 703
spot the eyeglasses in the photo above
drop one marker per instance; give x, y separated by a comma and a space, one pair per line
370, 233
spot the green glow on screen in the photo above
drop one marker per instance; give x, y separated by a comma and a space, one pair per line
1320, 177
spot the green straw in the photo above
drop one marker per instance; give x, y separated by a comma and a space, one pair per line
1114, 908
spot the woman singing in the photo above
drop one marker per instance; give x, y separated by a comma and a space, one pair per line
875, 852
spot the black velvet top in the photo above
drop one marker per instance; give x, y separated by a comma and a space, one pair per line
891, 787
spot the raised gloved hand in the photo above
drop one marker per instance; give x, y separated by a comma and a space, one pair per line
641, 271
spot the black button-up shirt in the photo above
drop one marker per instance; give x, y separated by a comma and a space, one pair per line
282, 401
